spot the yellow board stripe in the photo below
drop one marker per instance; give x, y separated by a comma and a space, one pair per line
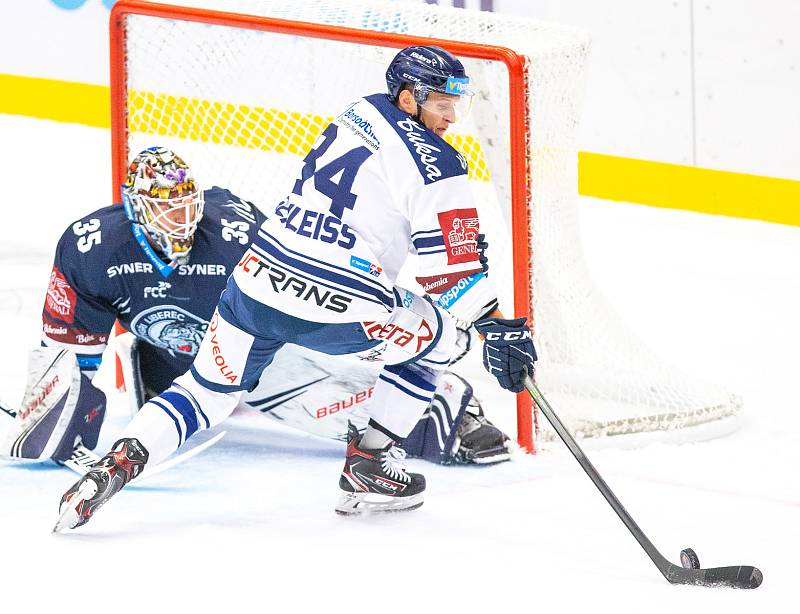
253, 127
690, 188
63, 101
223, 123
602, 176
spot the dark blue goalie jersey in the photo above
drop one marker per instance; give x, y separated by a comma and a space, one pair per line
102, 273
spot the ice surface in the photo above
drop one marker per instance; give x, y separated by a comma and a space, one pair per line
249, 525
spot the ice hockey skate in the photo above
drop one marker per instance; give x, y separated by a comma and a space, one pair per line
377, 480
125, 461
480, 442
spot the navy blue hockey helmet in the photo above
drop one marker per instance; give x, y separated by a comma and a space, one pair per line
428, 69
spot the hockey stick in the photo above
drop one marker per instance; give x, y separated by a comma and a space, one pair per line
9, 412
742, 576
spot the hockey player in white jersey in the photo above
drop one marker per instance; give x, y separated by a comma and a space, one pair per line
380, 183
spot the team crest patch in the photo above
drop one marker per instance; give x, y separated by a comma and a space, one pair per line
171, 328
460, 229
61, 298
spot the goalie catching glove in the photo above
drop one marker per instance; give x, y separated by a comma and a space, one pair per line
508, 351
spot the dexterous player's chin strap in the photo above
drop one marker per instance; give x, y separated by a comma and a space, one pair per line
141, 239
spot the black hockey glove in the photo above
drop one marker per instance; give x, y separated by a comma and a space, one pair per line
482, 246
508, 351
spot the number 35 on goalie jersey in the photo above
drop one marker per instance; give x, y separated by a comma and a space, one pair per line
375, 187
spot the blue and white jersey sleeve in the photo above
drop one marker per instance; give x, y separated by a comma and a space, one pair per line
444, 231
443, 220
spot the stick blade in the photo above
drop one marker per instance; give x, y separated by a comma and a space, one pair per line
741, 576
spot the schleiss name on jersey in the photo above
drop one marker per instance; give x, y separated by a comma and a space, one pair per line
282, 281
130, 268
315, 225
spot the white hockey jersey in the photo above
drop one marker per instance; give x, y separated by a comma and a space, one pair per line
376, 186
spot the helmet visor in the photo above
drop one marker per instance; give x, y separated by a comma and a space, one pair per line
452, 102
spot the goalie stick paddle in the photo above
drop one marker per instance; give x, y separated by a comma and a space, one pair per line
739, 576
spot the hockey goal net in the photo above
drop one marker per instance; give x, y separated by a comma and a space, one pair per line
243, 94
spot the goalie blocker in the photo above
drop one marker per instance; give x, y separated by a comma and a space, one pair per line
60, 410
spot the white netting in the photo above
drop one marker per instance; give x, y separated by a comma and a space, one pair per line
242, 107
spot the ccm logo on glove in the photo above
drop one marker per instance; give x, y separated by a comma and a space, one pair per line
508, 352
509, 336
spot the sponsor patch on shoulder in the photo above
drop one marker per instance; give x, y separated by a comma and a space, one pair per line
61, 298
460, 228
366, 266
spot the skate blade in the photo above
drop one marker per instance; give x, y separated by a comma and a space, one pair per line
491, 460
69, 515
357, 503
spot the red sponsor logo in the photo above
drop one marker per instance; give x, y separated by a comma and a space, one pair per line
248, 258
216, 351
91, 414
460, 229
398, 335
40, 398
69, 334
437, 284
54, 331
351, 401
61, 298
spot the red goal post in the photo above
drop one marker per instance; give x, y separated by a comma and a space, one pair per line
518, 111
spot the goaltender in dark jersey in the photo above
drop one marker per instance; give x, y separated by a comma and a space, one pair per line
102, 274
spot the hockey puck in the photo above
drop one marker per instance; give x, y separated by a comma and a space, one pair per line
689, 559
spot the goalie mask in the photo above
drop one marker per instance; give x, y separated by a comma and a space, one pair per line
161, 195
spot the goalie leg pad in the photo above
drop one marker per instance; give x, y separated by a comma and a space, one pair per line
87, 418
60, 408
434, 435
455, 430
